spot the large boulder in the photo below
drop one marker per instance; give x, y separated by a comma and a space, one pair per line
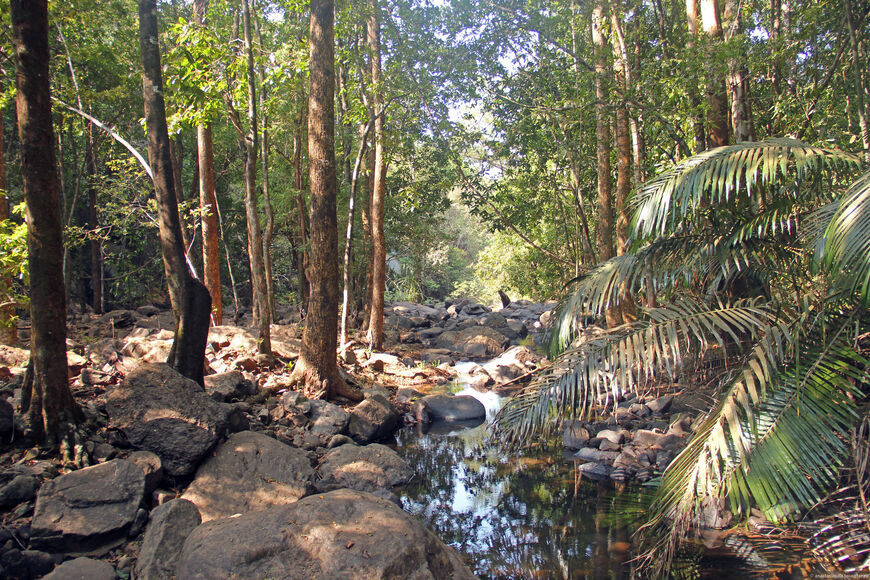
449, 408
480, 341
372, 468
250, 472
83, 569
159, 410
327, 419
88, 511
343, 534
372, 419
169, 526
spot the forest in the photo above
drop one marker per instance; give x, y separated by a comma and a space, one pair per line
645, 224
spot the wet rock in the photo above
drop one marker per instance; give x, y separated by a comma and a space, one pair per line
372, 468
88, 511
595, 470
20, 488
596, 456
250, 472
83, 569
159, 410
229, 386
372, 420
450, 408
575, 435
341, 534
170, 525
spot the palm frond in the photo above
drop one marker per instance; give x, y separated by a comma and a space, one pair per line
775, 447
626, 357
847, 240
716, 176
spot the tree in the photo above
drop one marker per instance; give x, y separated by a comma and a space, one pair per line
316, 369
47, 400
8, 326
717, 97
191, 303
379, 186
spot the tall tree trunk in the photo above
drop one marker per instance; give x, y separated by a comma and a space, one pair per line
48, 401
96, 246
857, 60
738, 74
623, 136
301, 213
269, 230
694, 97
717, 97
317, 369
211, 267
191, 303
176, 152
8, 326
379, 189
262, 315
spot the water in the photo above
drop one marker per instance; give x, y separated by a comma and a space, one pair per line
530, 515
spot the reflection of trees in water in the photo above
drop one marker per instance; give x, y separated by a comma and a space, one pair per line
517, 517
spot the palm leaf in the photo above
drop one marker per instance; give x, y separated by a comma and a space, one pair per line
847, 240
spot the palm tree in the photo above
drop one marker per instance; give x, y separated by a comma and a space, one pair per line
753, 258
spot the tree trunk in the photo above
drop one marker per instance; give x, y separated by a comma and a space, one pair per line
301, 212
191, 303
269, 230
717, 96
623, 138
857, 60
50, 407
262, 315
379, 189
96, 246
694, 97
211, 267
738, 74
176, 152
8, 325
316, 369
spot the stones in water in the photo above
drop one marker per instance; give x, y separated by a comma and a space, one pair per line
370, 468
170, 525
250, 472
364, 537
159, 410
449, 408
575, 435
88, 511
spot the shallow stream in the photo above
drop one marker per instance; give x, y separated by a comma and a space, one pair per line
531, 515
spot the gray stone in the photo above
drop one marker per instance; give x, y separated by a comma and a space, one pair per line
450, 408
493, 341
159, 410
170, 525
327, 419
82, 569
607, 445
595, 471
341, 535
151, 466
594, 455
575, 436
613, 436
228, 387
660, 405
7, 423
39, 563
372, 420
370, 468
21, 488
88, 511
250, 472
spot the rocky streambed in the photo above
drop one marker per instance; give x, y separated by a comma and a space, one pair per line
246, 478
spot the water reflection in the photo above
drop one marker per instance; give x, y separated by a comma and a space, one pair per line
526, 516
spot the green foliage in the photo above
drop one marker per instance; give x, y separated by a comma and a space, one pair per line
13, 262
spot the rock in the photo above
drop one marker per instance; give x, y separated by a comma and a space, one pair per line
327, 419
7, 422
339, 440
11, 356
647, 438
250, 472
372, 420
170, 525
616, 437
596, 456
575, 435
21, 488
408, 395
38, 563
450, 408
343, 534
14, 565
608, 445
159, 410
595, 471
229, 386
82, 569
493, 341
151, 466
88, 511
495, 320
660, 405
373, 468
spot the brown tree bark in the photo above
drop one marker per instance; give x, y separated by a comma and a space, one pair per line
301, 213
717, 95
176, 153
211, 267
379, 190
623, 138
317, 368
47, 401
191, 303
694, 97
857, 59
738, 75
